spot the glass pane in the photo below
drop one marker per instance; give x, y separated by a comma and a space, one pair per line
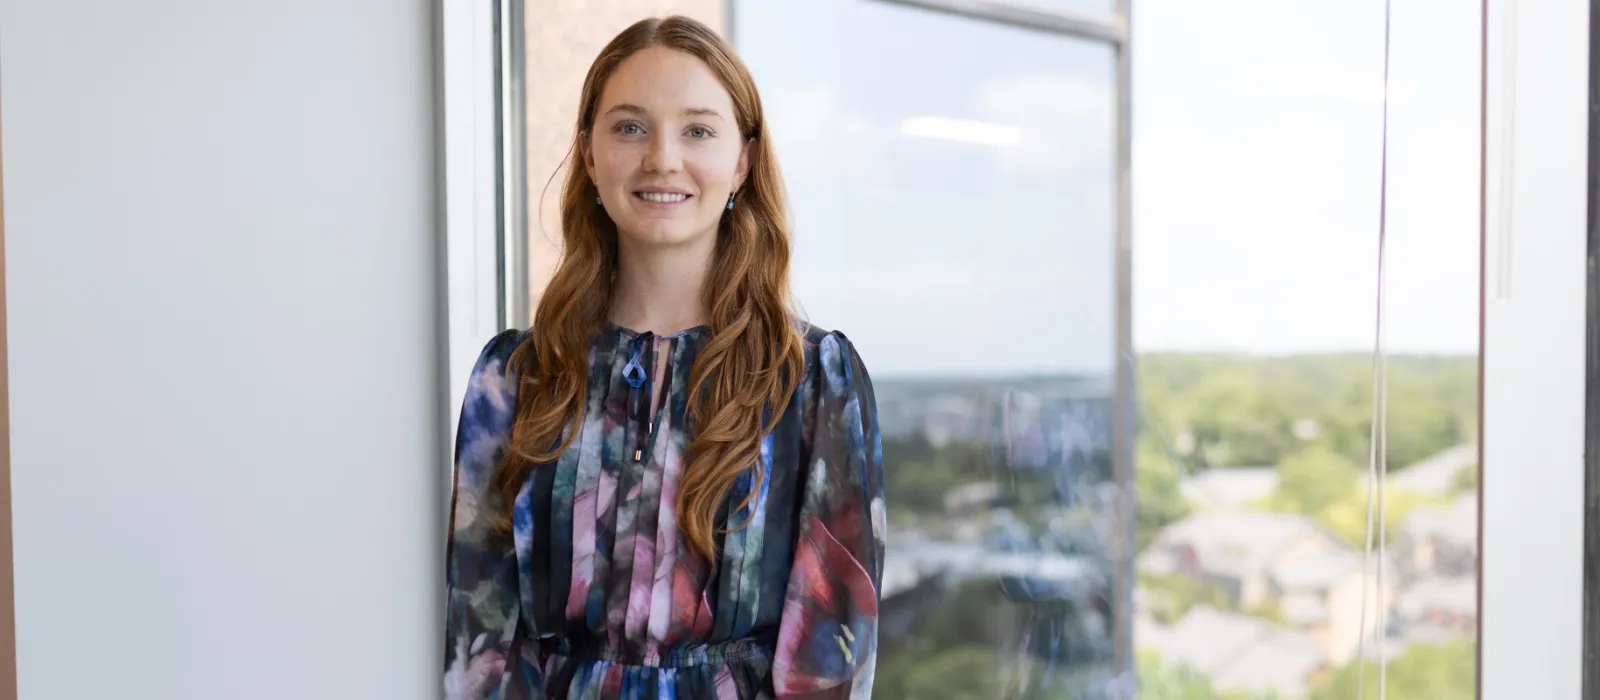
1256, 179
954, 215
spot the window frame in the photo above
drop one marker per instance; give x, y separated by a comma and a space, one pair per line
470, 193
1531, 515
1591, 544
1109, 29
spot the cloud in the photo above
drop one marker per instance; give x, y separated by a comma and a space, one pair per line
1063, 124
814, 134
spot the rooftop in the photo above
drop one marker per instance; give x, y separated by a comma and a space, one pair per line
1237, 652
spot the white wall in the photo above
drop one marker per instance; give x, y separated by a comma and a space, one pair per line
223, 324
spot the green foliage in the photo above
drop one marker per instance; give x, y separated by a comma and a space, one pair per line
1171, 597
965, 672
1347, 518
967, 646
1321, 484
1242, 410
1466, 479
1435, 672
953, 655
1170, 682
1160, 502
1166, 682
1312, 479
917, 475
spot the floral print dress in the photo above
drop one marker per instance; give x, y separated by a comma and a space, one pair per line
594, 594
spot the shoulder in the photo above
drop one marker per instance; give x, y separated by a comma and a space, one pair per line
491, 392
494, 361
833, 362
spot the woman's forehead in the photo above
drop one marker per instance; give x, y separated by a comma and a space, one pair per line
659, 82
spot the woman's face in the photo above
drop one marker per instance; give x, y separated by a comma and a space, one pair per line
665, 150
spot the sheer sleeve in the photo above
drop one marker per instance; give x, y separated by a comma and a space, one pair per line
828, 633
482, 605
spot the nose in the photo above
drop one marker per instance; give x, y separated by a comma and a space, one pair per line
662, 156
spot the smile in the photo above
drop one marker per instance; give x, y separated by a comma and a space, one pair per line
662, 197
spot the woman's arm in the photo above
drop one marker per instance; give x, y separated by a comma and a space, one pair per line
481, 588
828, 635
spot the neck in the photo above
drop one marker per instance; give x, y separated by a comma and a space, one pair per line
660, 290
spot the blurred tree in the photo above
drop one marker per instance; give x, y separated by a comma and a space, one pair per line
1420, 423
1313, 479
1234, 421
1161, 503
967, 672
1435, 672
1466, 479
1170, 683
968, 645
1242, 410
1347, 518
917, 475
961, 633
1171, 597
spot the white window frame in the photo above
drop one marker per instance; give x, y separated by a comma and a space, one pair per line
1534, 304
468, 119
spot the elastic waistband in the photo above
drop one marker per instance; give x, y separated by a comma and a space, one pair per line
680, 655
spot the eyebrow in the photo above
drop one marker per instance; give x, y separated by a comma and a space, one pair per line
692, 111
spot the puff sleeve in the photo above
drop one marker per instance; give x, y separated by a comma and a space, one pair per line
827, 641
482, 601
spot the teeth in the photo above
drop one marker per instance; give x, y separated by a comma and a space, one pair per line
662, 197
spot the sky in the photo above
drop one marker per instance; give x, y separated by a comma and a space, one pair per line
952, 180
1257, 135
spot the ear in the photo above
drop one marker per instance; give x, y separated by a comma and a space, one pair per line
586, 149
741, 169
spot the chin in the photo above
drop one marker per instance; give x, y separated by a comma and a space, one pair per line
658, 234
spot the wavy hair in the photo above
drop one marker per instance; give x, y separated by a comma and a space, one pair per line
754, 358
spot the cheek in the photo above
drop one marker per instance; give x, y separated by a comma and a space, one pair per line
612, 167
714, 172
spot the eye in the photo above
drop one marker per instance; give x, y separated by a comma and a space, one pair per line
700, 132
628, 129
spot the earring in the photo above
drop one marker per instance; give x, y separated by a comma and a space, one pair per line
730, 202
597, 199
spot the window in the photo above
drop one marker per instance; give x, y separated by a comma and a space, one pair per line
1103, 475
955, 215
1258, 138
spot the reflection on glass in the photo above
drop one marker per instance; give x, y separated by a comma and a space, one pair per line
954, 216
1255, 241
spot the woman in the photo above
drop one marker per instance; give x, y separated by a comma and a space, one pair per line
669, 487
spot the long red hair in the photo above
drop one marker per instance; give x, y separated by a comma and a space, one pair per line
754, 359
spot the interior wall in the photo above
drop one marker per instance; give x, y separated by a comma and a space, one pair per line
224, 336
